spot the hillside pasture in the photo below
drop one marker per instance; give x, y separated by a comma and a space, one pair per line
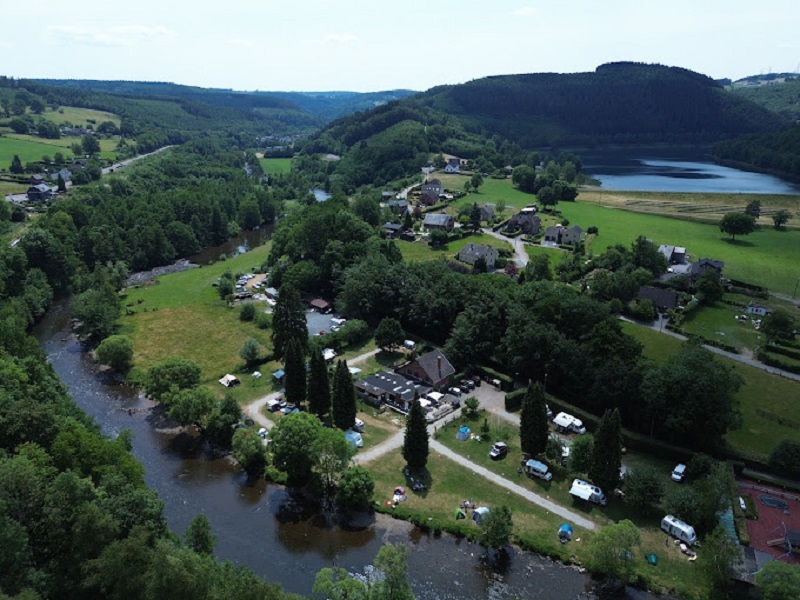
31, 149
80, 117
276, 166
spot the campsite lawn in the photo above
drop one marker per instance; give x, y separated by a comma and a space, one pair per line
276, 166
534, 527
762, 399
182, 315
421, 251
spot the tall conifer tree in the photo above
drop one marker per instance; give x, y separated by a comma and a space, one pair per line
295, 368
319, 389
415, 444
288, 321
607, 454
344, 397
533, 430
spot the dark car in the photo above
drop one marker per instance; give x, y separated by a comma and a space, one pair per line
498, 451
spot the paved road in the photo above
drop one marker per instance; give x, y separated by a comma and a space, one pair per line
522, 257
537, 499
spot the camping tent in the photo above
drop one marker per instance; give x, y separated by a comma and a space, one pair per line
479, 514
565, 533
229, 381
463, 433
459, 514
279, 375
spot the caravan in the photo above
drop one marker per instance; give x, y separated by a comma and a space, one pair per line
534, 468
586, 491
565, 422
678, 529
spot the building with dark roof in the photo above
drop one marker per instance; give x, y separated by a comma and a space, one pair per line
472, 253
701, 266
439, 221
432, 369
390, 388
525, 220
662, 298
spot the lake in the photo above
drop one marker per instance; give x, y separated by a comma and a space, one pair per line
676, 170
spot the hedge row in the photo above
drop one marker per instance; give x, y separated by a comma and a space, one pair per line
770, 416
779, 364
500, 225
785, 484
506, 382
791, 353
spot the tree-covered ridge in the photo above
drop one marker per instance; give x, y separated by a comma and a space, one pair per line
323, 106
781, 98
777, 152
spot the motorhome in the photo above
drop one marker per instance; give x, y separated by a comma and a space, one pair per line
588, 492
565, 422
534, 468
678, 529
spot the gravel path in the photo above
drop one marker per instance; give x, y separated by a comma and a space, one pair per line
522, 257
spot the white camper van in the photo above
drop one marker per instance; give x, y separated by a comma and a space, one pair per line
565, 422
534, 468
586, 491
678, 529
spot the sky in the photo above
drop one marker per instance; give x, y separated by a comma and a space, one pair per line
358, 45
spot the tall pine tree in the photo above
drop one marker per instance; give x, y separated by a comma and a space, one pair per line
533, 432
288, 321
415, 443
295, 368
319, 389
607, 453
344, 397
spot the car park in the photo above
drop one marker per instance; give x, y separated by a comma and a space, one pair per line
499, 450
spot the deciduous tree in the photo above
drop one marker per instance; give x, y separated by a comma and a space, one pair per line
496, 528
250, 352
389, 334
292, 437
198, 536
249, 450
613, 549
780, 218
644, 488
779, 581
391, 561
332, 453
355, 488
736, 223
116, 351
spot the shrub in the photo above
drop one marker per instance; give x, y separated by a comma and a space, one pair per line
262, 320
247, 312
785, 458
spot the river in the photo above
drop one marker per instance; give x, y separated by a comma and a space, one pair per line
260, 525
675, 170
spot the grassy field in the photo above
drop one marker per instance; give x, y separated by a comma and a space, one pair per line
276, 166
30, 148
762, 391
182, 315
419, 251
451, 483
6, 187
80, 116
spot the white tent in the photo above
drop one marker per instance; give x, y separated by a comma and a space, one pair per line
480, 513
229, 380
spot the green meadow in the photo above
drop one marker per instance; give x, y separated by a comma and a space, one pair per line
31, 149
769, 394
276, 166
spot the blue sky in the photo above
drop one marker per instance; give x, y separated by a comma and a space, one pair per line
377, 45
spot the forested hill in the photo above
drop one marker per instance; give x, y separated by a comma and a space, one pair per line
619, 103
322, 106
781, 97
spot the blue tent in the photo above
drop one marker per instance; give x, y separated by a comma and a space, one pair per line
463, 433
565, 533
279, 374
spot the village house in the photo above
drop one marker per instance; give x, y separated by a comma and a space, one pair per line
675, 255
387, 195
65, 173
701, 266
487, 212
398, 207
758, 309
663, 299
432, 369
35, 179
439, 221
392, 229
453, 165
389, 388
433, 187
525, 220
472, 253
428, 199
561, 235
39, 193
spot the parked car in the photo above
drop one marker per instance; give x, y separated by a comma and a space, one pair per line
498, 451
455, 391
678, 473
477, 380
359, 426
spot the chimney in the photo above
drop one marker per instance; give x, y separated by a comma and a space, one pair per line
439, 362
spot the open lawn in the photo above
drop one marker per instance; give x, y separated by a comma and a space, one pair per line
182, 315
450, 484
30, 148
7, 187
762, 398
80, 116
420, 250
276, 166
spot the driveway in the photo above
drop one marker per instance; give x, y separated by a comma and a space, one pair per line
520, 255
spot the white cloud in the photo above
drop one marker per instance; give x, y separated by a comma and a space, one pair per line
120, 35
334, 38
524, 11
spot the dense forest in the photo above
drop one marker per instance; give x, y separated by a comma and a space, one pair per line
782, 98
777, 152
619, 103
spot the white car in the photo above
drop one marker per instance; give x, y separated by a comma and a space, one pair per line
678, 473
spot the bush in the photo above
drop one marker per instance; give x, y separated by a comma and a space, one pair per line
262, 320
513, 400
785, 459
247, 312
